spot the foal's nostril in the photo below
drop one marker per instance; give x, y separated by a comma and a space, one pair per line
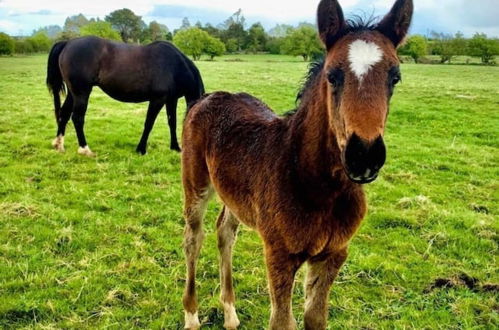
363, 159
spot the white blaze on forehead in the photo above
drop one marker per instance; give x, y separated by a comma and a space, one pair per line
362, 56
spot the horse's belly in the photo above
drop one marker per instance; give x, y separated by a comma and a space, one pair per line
127, 95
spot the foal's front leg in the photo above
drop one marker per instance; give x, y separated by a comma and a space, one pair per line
320, 277
281, 268
227, 231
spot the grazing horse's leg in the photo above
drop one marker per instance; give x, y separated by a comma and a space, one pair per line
227, 231
320, 277
196, 200
171, 112
66, 110
281, 269
80, 103
152, 112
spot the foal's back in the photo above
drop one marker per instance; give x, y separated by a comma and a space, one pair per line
229, 138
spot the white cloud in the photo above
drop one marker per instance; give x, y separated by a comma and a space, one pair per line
267, 8
443, 15
6, 25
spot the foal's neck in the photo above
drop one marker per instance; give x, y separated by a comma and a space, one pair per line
315, 145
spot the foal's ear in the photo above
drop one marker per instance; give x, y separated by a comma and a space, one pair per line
330, 21
395, 24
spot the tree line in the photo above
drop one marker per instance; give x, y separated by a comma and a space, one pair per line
447, 47
230, 36
233, 36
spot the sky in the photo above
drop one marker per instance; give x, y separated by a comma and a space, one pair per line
21, 17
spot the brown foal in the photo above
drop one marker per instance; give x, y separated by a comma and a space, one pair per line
297, 180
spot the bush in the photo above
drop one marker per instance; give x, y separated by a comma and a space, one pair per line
23, 47
100, 29
6, 44
40, 42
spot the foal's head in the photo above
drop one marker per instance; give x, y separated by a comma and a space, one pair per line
361, 71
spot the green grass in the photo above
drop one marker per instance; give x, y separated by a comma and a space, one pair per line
97, 242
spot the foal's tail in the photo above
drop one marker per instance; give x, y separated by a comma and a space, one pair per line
54, 81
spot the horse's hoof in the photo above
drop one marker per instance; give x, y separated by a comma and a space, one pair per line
58, 143
141, 151
85, 151
176, 148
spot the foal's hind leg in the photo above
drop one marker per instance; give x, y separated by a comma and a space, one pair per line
227, 231
152, 112
320, 277
196, 199
66, 110
171, 112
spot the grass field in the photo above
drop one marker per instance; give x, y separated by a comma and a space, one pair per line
97, 242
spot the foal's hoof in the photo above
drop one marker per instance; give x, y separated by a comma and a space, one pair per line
191, 321
85, 151
58, 143
176, 148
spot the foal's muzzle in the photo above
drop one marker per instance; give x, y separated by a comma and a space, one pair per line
363, 159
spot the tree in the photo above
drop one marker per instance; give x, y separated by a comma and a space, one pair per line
74, 23
212, 31
6, 44
190, 41
126, 23
214, 47
156, 31
257, 38
236, 36
195, 42
185, 24
52, 31
443, 46
236, 18
233, 33
280, 30
100, 29
483, 47
415, 47
273, 45
67, 35
460, 44
302, 41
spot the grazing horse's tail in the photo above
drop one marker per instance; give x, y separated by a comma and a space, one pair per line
54, 81
199, 90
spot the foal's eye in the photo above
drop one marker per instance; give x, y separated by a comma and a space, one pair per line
336, 77
394, 76
396, 80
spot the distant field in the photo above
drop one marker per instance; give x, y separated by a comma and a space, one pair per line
88, 243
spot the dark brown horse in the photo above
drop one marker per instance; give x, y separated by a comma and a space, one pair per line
297, 180
158, 73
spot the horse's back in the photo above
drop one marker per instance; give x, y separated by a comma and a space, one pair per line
80, 58
130, 73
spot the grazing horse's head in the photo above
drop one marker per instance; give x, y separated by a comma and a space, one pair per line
361, 71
